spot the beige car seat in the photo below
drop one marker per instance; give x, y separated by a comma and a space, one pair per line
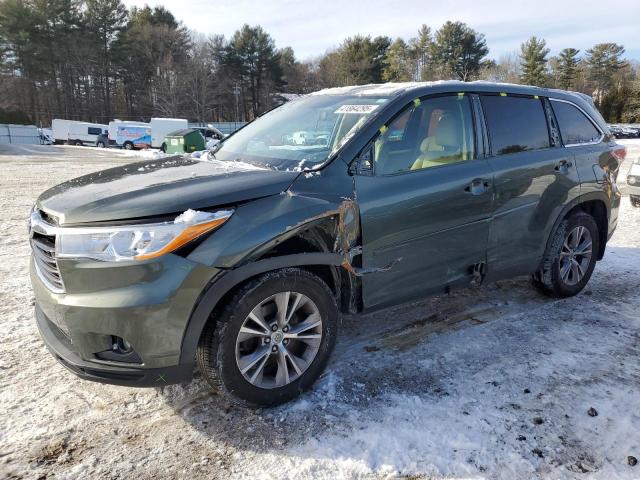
443, 147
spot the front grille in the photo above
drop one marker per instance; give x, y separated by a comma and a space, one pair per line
50, 219
44, 255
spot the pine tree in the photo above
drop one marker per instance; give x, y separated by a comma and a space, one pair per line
533, 56
631, 112
568, 68
104, 21
603, 61
419, 51
254, 59
457, 51
396, 62
360, 60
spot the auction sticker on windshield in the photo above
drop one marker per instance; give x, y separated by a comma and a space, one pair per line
359, 109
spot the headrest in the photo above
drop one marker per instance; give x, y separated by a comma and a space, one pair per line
426, 143
448, 132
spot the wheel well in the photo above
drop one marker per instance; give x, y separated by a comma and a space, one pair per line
307, 242
598, 210
325, 272
344, 289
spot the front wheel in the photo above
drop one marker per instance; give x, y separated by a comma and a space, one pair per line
570, 258
128, 146
272, 340
635, 200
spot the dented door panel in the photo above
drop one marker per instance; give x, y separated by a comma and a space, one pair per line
531, 189
422, 230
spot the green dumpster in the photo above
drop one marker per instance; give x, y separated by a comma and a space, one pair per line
184, 141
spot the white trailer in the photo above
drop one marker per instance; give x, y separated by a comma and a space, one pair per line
77, 133
160, 127
60, 130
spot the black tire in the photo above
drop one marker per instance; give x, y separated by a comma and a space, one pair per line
78, 143
216, 354
635, 200
100, 144
128, 146
548, 279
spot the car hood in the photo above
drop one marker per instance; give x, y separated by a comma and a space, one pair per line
159, 187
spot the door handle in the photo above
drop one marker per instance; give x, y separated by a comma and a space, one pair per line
478, 186
563, 166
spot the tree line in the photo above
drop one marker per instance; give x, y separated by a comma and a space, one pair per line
96, 60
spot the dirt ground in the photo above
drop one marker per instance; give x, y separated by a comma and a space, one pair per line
490, 382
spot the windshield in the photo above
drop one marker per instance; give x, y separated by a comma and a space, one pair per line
302, 133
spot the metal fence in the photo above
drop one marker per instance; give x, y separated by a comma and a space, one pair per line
224, 127
23, 134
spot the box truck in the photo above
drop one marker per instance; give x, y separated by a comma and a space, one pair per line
76, 133
130, 135
160, 127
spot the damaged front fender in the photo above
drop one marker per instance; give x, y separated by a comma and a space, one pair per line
318, 213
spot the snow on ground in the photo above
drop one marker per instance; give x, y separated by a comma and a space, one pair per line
492, 382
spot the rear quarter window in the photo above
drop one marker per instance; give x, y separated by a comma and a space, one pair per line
515, 124
575, 127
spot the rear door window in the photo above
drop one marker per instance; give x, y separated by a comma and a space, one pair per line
515, 124
94, 131
575, 127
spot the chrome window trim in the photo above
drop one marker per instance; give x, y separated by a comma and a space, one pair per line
589, 117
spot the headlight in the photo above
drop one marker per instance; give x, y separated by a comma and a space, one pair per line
136, 242
631, 180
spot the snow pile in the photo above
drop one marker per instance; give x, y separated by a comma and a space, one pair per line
383, 89
192, 217
231, 165
212, 142
494, 382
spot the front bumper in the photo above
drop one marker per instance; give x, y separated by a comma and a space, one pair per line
633, 189
63, 351
148, 305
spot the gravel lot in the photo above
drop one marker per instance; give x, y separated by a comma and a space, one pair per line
492, 382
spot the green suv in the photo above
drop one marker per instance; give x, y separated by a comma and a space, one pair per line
346, 200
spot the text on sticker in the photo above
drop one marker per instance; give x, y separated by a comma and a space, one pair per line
360, 109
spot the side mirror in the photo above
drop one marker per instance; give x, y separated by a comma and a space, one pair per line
363, 164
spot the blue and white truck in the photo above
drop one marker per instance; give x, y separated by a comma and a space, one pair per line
130, 135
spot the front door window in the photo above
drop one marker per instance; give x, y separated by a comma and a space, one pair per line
428, 133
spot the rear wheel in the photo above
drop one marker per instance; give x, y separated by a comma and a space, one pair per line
570, 257
100, 144
635, 200
272, 339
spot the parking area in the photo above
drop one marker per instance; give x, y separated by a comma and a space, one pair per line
490, 382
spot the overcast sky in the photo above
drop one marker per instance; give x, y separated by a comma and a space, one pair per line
313, 26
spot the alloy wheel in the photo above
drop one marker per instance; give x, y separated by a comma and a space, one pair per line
279, 340
575, 255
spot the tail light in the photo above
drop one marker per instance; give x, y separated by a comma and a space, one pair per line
620, 153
